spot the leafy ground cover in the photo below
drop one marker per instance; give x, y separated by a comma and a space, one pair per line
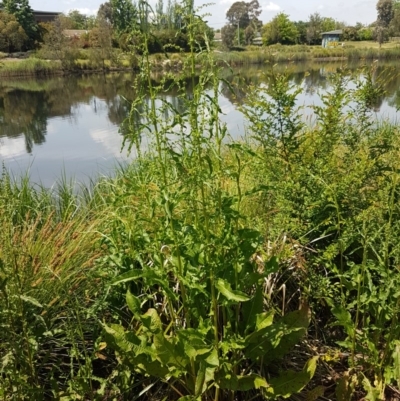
212, 269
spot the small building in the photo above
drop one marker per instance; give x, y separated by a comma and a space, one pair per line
45, 16
332, 38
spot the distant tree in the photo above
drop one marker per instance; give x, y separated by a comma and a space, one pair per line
381, 34
385, 11
249, 34
160, 19
124, 15
105, 12
24, 15
350, 33
366, 33
394, 27
12, 35
78, 20
280, 30
328, 24
243, 14
228, 35
101, 41
301, 27
238, 15
314, 28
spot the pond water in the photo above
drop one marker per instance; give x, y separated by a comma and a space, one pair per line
70, 125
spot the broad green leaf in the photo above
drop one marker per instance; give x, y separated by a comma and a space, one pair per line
213, 358
264, 320
226, 290
152, 321
290, 382
133, 304
274, 341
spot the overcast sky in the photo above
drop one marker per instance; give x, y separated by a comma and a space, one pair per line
350, 11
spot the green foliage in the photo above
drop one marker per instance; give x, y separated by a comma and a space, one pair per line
124, 16
12, 35
280, 30
23, 12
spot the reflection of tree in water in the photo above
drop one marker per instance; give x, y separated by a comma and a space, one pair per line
24, 113
26, 105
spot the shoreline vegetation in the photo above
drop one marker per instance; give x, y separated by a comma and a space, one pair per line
176, 61
209, 268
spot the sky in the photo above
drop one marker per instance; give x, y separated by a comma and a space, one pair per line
349, 11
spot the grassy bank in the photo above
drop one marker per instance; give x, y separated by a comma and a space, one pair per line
281, 54
31, 67
212, 269
352, 51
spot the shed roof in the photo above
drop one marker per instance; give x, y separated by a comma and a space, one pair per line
336, 32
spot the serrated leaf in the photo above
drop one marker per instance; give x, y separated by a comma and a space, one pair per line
232, 295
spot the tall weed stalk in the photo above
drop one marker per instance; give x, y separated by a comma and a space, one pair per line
195, 283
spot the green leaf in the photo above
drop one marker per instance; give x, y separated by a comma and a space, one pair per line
374, 393
213, 358
290, 382
226, 290
274, 341
133, 304
31, 300
200, 379
251, 382
396, 362
344, 319
152, 321
128, 276
272, 266
264, 320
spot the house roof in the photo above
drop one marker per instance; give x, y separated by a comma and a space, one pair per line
336, 32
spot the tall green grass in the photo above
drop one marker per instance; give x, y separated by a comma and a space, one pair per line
29, 67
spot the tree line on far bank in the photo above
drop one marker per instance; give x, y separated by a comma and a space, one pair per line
111, 28
116, 20
244, 26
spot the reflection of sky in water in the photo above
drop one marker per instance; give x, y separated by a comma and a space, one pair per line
83, 145
85, 142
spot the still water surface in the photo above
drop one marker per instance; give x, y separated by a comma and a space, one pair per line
70, 125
